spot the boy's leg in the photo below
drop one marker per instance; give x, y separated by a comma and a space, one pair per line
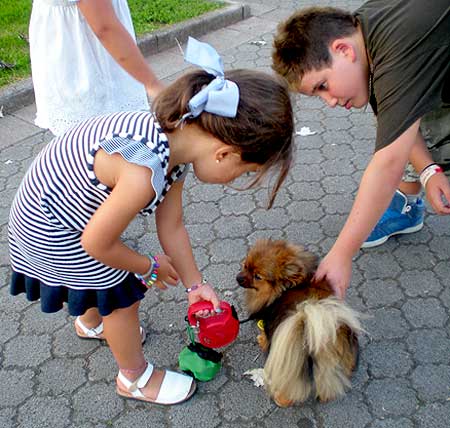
406, 211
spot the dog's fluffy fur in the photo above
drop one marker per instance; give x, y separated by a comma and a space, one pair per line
310, 335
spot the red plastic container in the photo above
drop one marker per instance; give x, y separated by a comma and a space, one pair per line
217, 330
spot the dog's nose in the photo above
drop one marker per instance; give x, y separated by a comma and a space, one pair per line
240, 278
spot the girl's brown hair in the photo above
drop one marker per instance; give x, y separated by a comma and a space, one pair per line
262, 131
302, 41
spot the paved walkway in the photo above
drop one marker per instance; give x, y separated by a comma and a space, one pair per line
49, 378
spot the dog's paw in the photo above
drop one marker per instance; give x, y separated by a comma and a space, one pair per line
281, 401
263, 342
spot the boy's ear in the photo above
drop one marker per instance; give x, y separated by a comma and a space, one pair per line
343, 47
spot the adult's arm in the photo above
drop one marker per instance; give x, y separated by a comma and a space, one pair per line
113, 35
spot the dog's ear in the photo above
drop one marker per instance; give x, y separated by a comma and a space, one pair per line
299, 268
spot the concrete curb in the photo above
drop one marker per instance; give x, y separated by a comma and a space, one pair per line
21, 94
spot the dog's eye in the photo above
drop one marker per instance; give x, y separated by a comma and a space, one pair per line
257, 277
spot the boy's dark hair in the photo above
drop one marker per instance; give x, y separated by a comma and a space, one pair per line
262, 130
302, 41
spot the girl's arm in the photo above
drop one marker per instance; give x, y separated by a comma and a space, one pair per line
103, 21
175, 242
131, 192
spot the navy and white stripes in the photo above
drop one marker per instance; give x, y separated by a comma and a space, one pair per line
60, 193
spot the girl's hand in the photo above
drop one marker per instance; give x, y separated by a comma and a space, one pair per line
337, 270
166, 272
205, 292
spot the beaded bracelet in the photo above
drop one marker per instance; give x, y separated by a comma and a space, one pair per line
428, 172
150, 277
196, 286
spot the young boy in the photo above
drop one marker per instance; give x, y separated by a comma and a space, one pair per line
394, 54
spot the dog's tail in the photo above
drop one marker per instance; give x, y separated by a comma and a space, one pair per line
314, 343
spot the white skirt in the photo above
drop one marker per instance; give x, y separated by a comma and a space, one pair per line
74, 76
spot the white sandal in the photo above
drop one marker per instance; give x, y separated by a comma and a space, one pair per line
84, 332
175, 387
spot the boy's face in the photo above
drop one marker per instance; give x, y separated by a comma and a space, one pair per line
344, 83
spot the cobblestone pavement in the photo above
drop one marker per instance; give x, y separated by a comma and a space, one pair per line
49, 378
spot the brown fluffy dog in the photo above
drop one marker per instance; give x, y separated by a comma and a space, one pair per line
310, 335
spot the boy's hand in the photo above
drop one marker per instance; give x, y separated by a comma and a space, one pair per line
166, 272
337, 270
438, 193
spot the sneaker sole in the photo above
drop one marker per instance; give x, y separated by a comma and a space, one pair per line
385, 238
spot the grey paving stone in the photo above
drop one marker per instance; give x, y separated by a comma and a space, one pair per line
27, 351
425, 312
10, 326
417, 283
201, 212
388, 359
197, 416
15, 386
386, 324
100, 365
305, 211
7, 418
381, 266
61, 376
97, 403
391, 397
45, 412
432, 382
392, 423
255, 405
297, 232
429, 346
144, 418
435, 415
227, 250
349, 411
240, 226
381, 293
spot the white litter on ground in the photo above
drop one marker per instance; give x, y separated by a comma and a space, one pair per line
259, 42
305, 131
1, 111
256, 375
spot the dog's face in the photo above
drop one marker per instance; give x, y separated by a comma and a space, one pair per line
270, 268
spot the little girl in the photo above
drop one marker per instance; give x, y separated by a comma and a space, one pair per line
85, 62
85, 187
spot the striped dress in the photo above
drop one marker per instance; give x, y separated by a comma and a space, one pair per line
60, 193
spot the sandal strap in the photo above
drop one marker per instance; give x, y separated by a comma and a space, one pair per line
140, 382
90, 332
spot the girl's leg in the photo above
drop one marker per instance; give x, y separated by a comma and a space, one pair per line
122, 332
91, 318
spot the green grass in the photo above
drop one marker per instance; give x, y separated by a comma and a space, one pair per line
148, 16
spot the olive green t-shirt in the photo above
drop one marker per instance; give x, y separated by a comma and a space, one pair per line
408, 42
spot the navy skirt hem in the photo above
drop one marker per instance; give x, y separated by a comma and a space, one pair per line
122, 295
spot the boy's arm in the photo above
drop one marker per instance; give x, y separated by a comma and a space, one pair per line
103, 21
377, 187
175, 242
